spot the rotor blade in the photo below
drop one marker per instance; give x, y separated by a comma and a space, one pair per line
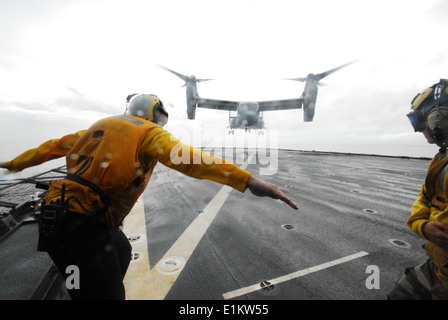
296, 79
183, 77
202, 80
326, 73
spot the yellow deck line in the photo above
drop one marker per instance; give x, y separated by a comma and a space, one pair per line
142, 282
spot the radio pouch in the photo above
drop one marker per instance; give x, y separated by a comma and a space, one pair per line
50, 221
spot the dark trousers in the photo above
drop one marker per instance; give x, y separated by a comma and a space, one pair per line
100, 253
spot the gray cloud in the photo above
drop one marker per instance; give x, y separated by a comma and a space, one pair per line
79, 101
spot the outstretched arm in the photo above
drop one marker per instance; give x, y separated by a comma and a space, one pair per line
52, 149
262, 188
160, 145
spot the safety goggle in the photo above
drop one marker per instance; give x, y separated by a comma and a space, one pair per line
418, 118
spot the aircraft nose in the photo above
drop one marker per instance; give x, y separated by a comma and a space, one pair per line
250, 118
253, 116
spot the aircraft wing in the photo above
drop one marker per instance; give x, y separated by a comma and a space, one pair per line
280, 104
218, 104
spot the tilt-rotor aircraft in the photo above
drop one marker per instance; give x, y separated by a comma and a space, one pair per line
250, 113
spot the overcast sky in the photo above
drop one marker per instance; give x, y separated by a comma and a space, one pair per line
65, 64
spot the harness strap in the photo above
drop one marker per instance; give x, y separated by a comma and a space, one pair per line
105, 199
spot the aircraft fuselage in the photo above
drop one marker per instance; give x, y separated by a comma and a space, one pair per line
248, 117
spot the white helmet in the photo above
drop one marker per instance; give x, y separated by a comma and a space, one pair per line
147, 106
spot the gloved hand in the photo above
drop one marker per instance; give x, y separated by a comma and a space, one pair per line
436, 232
3, 170
263, 188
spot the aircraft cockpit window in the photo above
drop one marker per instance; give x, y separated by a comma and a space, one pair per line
248, 106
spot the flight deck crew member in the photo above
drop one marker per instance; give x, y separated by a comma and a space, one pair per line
429, 216
108, 168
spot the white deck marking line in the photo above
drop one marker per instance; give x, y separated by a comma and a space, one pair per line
142, 282
297, 274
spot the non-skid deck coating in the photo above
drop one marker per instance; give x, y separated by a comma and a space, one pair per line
197, 240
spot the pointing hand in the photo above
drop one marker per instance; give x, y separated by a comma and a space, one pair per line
263, 188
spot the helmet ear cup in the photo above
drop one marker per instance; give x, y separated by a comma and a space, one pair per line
160, 115
437, 123
439, 135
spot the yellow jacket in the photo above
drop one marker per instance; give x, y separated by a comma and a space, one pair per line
149, 144
431, 205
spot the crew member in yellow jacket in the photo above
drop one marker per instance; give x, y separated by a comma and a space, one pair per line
429, 216
108, 167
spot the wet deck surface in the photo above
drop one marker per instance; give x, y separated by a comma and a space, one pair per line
351, 219
198, 241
